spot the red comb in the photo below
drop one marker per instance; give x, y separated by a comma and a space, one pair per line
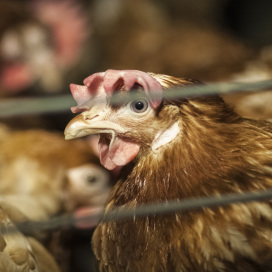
129, 79
108, 81
84, 93
80, 94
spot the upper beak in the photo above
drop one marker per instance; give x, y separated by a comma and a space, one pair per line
86, 124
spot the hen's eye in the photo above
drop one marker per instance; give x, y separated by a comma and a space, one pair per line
139, 106
91, 179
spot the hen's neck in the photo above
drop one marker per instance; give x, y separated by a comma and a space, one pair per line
203, 160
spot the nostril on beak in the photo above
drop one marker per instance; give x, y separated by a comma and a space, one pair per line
91, 117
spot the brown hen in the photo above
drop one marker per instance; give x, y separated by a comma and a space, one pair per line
18, 252
42, 175
171, 150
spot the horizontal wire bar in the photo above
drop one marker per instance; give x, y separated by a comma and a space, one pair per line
35, 105
144, 210
202, 90
27, 106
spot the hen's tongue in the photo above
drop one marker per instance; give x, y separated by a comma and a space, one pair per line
121, 152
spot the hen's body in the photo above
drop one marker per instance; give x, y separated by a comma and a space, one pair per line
214, 152
33, 171
42, 175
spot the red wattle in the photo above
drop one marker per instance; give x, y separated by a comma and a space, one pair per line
119, 153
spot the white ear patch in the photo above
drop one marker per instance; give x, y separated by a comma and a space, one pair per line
164, 137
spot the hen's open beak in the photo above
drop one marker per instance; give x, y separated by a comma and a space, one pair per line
114, 151
84, 124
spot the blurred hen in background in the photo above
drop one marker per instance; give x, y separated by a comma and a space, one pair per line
42, 42
17, 251
171, 37
47, 175
42, 175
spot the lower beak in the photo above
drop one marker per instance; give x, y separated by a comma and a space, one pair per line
81, 126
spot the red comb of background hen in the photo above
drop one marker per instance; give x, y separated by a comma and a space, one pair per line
110, 80
67, 21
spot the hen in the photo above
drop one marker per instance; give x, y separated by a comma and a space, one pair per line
170, 150
41, 42
17, 251
42, 174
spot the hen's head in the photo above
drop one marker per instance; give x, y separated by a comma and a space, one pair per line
134, 127
88, 185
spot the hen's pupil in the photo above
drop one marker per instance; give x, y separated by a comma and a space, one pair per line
139, 105
91, 179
